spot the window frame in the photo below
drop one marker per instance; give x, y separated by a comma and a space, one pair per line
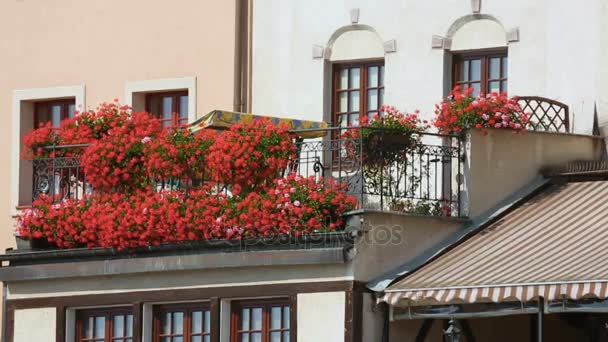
266, 304
109, 314
187, 309
176, 106
484, 55
363, 87
65, 108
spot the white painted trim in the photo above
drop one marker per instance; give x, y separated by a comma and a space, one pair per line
225, 311
34, 94
147, 322
164, 84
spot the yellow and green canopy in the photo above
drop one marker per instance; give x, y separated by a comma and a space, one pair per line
221, 119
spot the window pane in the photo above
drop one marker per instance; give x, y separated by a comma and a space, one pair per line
256, 337
463, 71
505, 64
475, 70
275, 336
88, 327
167, 323
129, 325
286, 336
207, 338
100, 327
494, 86
183, 106
343, 79
343, 107
118, 328
494, 68
504, 86
196, 339
353, 120
286, 317
372, 99
178, 323
178, 339
355, 81
256, 319
373, 76
245, 319
166, 339
476, 88
207, 321
197, 321
382, 76
56, 115
71, 110
343, 120
245, 337
155, 106
353, 101
275, 317
167, 107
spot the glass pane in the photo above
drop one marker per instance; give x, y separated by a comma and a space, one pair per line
494, 68
476, 88
245, 319
343, 101
129, 325
155, 106
166, 339
100, 327
475, 69
71, 110
505, 63
245, 337
197, 321
183, 106
353, 101
275, 336
167, 107
167, 323
88, 327
56, 115
129, 340
381, 97
256, 319
343, 120
256, 337
207, 321
118, 328
286, 317
275, 317
382, 76
504, 86
372, 99
343, 79
207, 338
355, 81
196, 339
353, 120
494, 86
373, 76
178, 339
178, 323
286, 336
463, 71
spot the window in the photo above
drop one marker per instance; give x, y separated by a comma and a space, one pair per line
486, 72
260, 321
109, 325
170, 107
358, 90
54, 111
182, 323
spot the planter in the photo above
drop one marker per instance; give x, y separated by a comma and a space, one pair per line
41, 243
382, 148
22, 243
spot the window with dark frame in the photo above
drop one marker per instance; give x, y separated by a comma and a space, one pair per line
358, 90
104, 325
170, 107
484, 71
182, 323
261, 321
53, 111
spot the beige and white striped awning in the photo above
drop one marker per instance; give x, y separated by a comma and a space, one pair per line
555, 246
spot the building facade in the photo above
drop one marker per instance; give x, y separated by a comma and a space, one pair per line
313, 62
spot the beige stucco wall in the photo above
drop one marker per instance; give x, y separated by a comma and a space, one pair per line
500, 163
35, 325
321, 316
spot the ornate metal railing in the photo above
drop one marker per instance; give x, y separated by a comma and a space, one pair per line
418, 173
545, 114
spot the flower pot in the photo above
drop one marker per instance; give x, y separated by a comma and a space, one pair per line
22, 243
382, 148
40, 243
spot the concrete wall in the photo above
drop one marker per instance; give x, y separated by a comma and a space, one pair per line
35, 325
321, 316
501, 162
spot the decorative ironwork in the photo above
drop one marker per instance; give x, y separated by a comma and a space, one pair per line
545, 114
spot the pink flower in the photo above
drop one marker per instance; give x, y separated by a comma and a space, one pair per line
146, 140
296, 203
486, 117
497, 125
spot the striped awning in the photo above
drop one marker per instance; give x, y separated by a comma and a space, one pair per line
221, 119
552, 246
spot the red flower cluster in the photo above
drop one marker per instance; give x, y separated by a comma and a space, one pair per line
461, 111
250, 155
293, 206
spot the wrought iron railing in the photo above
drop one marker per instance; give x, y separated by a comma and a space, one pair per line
545, 114
420, 173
